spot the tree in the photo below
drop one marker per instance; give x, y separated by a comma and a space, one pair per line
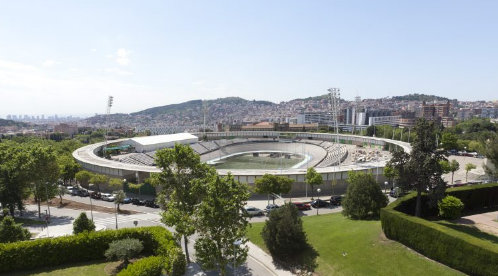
313, 179
84, 177
492, 155
283, 234
61, 190
450, 167
11, 231
124, 250
67, 168
119, 198
390, 174
449, 141
364, 197
450, 207
182, 180
273, 184
421, 169
221, 223
115, 184
468, 167
99, 179
82, 224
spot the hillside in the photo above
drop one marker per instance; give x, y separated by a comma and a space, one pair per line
4, 122
419, 97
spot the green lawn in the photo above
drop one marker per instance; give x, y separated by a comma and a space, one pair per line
366, 250
95, 268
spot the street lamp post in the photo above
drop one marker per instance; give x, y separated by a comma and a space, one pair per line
318, 200
385, 186
91, 205
235, 243
116, 214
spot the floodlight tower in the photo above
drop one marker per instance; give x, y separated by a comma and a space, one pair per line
108, 111
205, 111
335, 95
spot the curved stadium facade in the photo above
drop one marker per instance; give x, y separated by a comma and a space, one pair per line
319, 150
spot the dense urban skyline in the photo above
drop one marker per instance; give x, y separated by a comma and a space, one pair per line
163, 53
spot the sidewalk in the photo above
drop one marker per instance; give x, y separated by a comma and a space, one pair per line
266, 260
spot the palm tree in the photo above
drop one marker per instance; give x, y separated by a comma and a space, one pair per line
468, 167
119, 198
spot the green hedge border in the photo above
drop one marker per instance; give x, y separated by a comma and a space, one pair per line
26, 255
446, 245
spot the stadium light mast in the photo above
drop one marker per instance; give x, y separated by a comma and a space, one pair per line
205, 110
335, 96
108, 112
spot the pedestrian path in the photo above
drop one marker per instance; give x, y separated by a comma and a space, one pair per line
128, 218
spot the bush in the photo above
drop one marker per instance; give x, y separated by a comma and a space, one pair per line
82, 224
10, 231
150, 266
283, 233
89, 246
450, 207
449, 246
364, 197
124, 250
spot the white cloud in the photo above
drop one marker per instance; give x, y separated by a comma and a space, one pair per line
118, 71
48, 63
123, 56
93, 50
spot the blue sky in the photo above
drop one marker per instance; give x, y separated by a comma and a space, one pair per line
66, 57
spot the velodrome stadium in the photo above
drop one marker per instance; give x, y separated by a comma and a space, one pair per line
248, 155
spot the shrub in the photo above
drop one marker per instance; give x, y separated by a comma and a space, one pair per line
364, 197
283, 233
124, 250
82, 224
450, 207
447, 245
88, 246
10, 231
150, 266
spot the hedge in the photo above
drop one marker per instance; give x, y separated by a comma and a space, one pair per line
150, 266
454, 248
88, 246
476, 199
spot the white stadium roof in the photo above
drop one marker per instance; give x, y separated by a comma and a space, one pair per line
160, 139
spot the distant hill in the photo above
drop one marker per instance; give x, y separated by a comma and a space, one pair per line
4, 122
196, 105
419, 97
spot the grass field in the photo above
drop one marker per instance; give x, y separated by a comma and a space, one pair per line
95, 268
349, 247
255, 163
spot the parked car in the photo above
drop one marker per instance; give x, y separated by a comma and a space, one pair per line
83, 193
135, 201
335, 200
302, 206
105, 196
253, 211
95, 195
127, 200
271, 207
319, 203
151, 204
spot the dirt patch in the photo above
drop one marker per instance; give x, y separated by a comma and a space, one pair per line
66, 203
113, 268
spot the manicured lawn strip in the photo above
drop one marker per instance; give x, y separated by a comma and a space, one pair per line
366, 251
95, 268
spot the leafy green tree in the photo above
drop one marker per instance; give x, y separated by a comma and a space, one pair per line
468, 167
421, 169
44, 171
82, 224
492, 155
313, 179
124, 250
119, 198
284, 235
450, 207
221, 223
11, 231
389, 173
182, 180
100, 180
115, 184
449, 141
364, 197
15, 179
67, 168
84, 177
273, 184
450, 167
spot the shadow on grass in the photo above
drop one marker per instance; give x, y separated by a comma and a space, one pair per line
471, 230
54, 268
304, 260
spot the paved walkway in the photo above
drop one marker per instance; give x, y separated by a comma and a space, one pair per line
486, 222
